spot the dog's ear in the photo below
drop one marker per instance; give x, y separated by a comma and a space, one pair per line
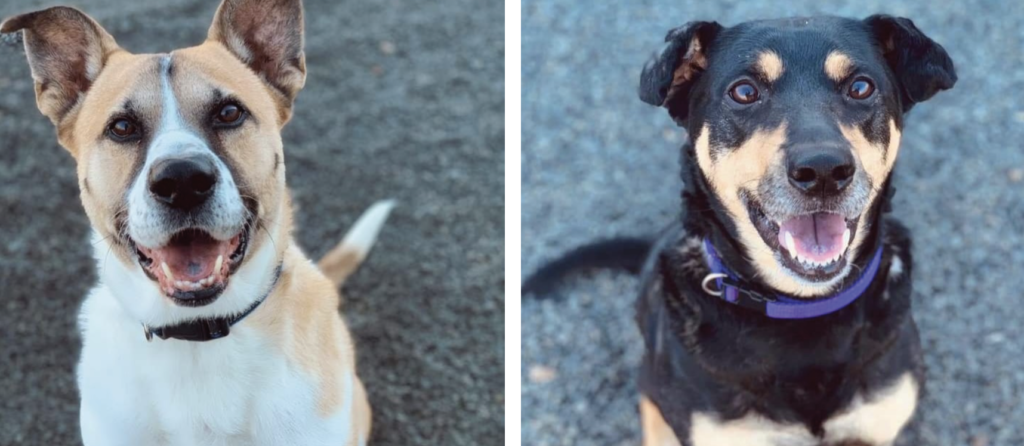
66, 51
267, 35
667, 78
921, 65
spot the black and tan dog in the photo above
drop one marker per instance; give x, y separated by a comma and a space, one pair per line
777, 310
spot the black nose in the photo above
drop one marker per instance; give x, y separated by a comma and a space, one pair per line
818, 172
183, 183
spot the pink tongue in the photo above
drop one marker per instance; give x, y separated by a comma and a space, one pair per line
191, 262
817, 237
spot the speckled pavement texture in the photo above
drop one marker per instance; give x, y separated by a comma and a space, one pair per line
403, 100
599, 163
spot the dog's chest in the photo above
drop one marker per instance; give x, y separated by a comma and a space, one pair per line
874, 420
238, 390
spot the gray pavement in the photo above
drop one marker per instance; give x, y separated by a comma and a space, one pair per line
403, 100
599, 163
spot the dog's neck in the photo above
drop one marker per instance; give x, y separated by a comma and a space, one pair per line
703, 215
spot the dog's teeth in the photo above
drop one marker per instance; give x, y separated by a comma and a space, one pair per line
217, 264
167, 271
790, 244
846, 239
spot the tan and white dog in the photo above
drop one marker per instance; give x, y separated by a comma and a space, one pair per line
180, 166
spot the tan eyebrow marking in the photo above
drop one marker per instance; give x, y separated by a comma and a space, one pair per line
770, 65
838, 66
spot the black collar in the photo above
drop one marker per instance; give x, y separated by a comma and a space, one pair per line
207, 329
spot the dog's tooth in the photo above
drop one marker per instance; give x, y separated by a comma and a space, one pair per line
167, 271
790, 244
846, 239
217, 264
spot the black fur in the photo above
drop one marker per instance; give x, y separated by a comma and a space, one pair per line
709, 356
705, 355
620, 253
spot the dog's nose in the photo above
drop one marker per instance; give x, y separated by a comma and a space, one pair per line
183, 183
822, 172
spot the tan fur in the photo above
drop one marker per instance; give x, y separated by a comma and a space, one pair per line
875, 420
339, 263
741, 169
693, 61
656, 432
837, 66
878, 419
770, 65
876, 164
302, 311
749, 430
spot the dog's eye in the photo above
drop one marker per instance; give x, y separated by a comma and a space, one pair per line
744, 93
230, 115
122, 129
861, 89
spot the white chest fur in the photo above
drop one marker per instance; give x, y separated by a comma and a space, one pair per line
875, 419
239, 390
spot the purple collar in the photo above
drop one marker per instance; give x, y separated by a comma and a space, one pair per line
731, 290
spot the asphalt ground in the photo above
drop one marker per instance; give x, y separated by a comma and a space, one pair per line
403, 100
599, 163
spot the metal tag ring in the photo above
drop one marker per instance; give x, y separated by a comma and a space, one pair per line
706, 283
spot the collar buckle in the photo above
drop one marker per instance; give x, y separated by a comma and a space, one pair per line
709, 279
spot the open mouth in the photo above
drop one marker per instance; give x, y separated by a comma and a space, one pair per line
814, 245
193, 268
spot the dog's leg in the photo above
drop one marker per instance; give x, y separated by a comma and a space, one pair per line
363, 419
655, 430
343, 260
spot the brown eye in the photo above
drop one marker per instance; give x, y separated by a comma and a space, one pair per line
861, 89
744, 93
122, 129
229, 115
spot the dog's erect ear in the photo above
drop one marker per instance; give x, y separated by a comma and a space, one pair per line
667, 78
921, 65
66, 51
267, 36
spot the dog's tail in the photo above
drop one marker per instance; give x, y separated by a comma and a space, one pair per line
625, 253
345, 258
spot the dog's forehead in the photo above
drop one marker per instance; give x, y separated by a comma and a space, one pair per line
801, 45
197, 76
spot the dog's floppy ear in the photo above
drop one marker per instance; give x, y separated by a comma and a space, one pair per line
267, 35
667, 78
66, 51
921, 65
